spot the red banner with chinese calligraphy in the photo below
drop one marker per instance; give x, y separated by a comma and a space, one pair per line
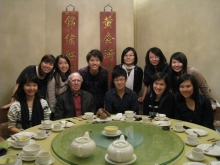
70, 37
108, 41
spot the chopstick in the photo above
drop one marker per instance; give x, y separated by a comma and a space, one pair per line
211, 139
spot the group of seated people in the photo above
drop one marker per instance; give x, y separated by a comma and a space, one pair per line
51, 91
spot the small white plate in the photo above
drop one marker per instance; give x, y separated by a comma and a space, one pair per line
51, 161
19, 162
190, 157
215, 163
215, 151
192, 144
193, 163
31, 134
57, 130
20, 147
134, 157
178, 130
39, 138
28, 158
161, 119
101, 120
201, 132
117, 133
162, 123
66, 125
84, 117
41, 127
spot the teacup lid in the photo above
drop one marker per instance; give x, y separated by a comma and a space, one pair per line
121, 142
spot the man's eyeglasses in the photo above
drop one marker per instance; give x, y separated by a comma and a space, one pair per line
74, 81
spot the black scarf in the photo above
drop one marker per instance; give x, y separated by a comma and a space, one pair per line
37, 113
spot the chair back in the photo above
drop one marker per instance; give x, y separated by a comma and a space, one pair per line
3, 115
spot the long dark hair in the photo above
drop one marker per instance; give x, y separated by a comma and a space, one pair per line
192, 79
57, 73
159, 76
46, 58
174, 75
159, 53
126, 50
20, 95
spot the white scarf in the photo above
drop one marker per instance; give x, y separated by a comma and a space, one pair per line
130, 77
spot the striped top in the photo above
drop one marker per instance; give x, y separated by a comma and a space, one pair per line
14, 113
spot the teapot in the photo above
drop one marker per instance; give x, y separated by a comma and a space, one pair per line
120, 150
83, 146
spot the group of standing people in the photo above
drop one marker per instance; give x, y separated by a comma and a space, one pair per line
51, 91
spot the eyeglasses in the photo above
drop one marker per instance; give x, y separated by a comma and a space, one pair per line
119, 80
74, 81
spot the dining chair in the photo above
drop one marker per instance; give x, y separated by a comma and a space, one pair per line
4, 131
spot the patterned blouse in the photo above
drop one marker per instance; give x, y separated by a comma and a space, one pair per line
14, 113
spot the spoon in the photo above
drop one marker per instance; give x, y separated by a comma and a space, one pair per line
196, 133
8, 160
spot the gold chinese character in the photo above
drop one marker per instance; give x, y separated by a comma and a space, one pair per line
70, 21
71, 55
108, 22
108, 38
108, 53
70, 39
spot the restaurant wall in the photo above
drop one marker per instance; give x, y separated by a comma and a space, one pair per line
31, 29
191, 27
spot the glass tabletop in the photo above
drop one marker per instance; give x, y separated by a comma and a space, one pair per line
151, 143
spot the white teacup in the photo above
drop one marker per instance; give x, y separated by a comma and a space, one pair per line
129, 112
47, 123
178, 126
89, 118
41, 133
57, 126
191, 138
161, 116
88, 113
43, 157
197, 153
145, 120
130, 117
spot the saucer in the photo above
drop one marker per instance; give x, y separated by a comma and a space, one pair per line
57, 130
28, 158
66, 124
214, 163
117, 133
201, 132
162, 123
189, 156
161, 119
39, 138
192, 144
178, 130
19, 162
51, 161
193, 163
215, 151
20, 147
134, 157
42, 127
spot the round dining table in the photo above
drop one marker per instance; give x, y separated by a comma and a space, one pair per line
152, 144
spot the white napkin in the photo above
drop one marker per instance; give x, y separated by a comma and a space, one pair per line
118, 116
